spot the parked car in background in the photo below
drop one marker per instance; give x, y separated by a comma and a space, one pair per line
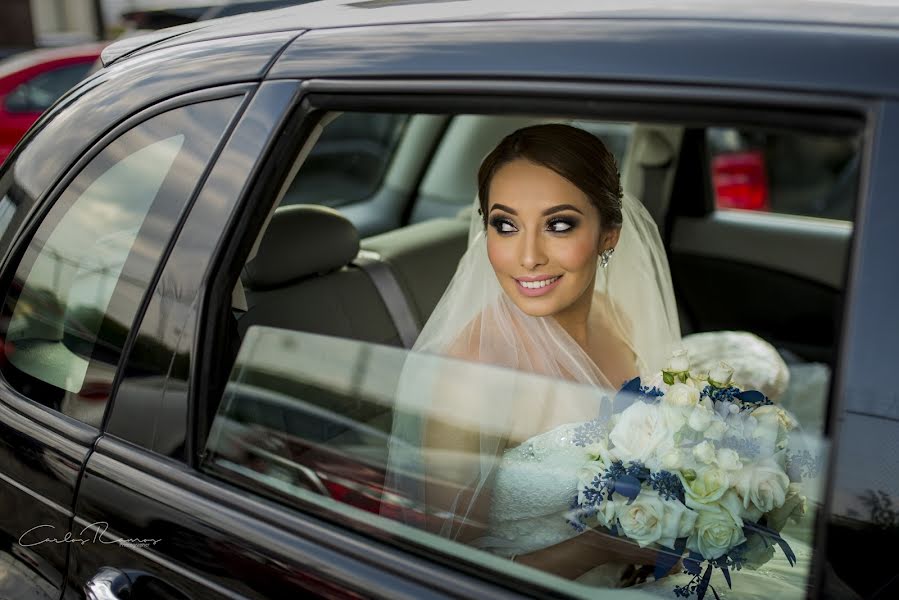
217, 251
30, 82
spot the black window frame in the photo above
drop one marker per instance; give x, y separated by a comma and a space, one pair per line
652, 102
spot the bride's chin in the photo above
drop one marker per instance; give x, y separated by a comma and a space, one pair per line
536, 307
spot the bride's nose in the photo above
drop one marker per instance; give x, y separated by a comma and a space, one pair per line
532, 254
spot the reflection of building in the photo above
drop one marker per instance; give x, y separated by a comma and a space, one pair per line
27, 23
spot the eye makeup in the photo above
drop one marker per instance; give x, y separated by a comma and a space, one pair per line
503, 225
562, 224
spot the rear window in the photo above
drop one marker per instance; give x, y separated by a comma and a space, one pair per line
784, 172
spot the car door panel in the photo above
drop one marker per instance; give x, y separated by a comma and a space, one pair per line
41, 464
783, 276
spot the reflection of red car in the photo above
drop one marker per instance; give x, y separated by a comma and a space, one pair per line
31, 81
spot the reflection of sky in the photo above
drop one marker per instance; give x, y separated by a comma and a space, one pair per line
97, 233
469, 396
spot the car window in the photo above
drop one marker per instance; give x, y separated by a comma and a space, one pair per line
40, 92
323, 403
783, 172
77, 289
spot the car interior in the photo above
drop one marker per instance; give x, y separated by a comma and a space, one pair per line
375, 215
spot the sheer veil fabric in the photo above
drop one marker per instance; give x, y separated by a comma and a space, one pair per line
633, 307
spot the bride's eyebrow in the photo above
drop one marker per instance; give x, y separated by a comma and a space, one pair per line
548, 211
560, 208
502, 207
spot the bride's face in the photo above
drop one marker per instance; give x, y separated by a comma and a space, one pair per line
543, 238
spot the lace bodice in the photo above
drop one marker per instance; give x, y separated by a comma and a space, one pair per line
534, 487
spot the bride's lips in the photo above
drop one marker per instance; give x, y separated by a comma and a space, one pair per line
544, 288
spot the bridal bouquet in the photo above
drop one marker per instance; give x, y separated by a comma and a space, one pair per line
696, 466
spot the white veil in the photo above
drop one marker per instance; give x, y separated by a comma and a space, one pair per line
476, 321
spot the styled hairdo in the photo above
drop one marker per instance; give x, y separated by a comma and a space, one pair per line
578, 156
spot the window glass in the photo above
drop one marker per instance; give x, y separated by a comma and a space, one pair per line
325, 411
80, 282
315, 421
784, 172
39, 93
349, 160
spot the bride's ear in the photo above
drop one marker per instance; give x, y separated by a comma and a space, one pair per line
608, 238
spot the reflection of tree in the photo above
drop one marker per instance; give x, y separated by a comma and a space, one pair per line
880, 508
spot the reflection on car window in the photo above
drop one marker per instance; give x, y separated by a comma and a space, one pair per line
39, 93
79, 285
784, 172
310, 420
348, 161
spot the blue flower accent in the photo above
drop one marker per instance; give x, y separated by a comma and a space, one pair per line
588, 432
632, 390
668, 485
745, 399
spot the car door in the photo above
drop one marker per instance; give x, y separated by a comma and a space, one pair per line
161, 528
772, 209
72, 288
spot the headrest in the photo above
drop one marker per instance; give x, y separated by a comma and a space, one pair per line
301, 240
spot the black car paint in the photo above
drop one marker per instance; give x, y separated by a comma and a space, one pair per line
726, 55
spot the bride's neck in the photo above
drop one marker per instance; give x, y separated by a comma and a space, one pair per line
574, 319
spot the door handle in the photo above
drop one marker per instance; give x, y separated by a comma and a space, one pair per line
108, 584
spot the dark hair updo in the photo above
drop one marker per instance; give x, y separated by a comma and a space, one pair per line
578, 156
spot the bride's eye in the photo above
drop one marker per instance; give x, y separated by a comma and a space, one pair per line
503, 225
561, 225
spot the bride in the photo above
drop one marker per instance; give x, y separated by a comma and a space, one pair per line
566, 278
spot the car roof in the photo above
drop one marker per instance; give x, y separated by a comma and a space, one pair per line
356, 13
328, 14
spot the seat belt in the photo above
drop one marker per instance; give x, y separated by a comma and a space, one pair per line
389, 289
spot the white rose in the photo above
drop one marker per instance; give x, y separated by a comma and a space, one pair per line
639, 433
679, 362
793, 508
673, 417
716, 430
650, 519
776, 418
728, 459
721, 375
715, 532
606, 513
681, 394
600, 451
704, 452
672, 460
708, 487
700, 418
763, 485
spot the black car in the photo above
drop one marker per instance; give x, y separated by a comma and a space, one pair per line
196, 395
